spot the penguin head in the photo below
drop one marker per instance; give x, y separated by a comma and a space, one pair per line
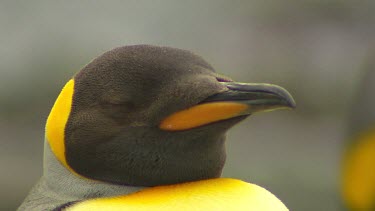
146, 115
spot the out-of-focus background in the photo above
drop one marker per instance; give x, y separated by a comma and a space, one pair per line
315, 49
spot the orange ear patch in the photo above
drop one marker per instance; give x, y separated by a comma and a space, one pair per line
56, 122
202, 114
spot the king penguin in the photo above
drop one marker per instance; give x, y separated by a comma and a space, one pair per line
143, 128
358, 163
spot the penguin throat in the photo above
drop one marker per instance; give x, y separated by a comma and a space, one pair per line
57, 178
149, 157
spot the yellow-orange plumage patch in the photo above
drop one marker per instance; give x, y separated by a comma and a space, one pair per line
207, 195
56, 122
359, 173
202, 114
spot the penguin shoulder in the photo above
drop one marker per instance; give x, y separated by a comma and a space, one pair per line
212, 194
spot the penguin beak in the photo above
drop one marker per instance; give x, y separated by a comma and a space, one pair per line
258, 97
240, 99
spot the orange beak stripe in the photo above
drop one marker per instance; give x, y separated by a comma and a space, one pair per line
202, 114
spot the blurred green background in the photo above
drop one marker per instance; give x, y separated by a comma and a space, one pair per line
315, 49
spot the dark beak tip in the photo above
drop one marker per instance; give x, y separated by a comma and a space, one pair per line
284, 95
290, 102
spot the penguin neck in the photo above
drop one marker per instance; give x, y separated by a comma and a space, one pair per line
63, 182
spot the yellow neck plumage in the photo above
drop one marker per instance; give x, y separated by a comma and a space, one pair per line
214, 194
